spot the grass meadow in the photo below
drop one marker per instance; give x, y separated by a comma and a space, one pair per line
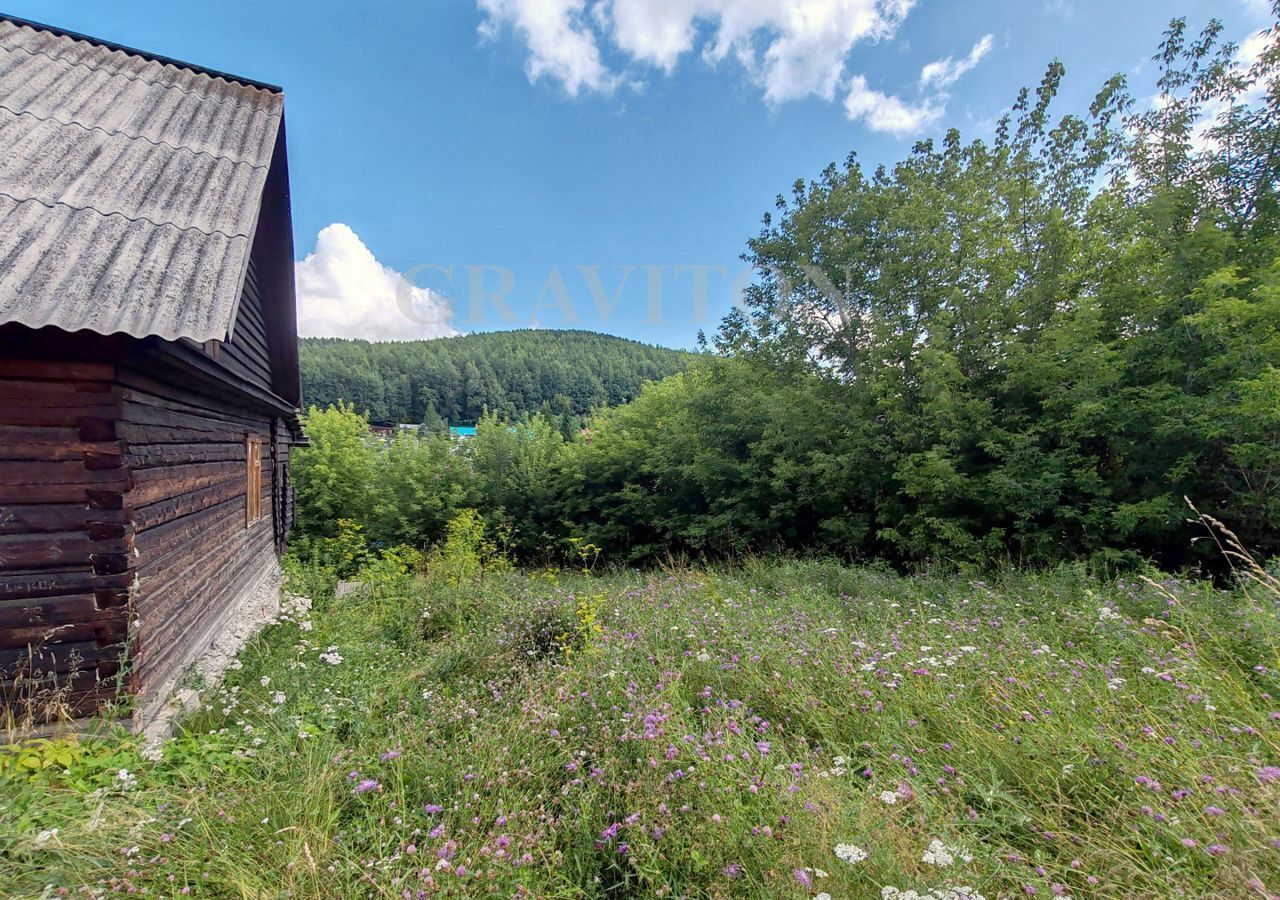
778, 729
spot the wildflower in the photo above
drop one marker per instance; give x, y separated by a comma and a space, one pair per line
126, 780
1106, 613
889, 797
937, 854
278, 698
850, 853
365, 786
264, 680
1268, 774
940, 854
45, 836
703, 656
803, 877
331, 656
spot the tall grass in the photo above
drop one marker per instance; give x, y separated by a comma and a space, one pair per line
701, 732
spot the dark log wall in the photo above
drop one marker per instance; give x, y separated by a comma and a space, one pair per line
246, 352
65, 536
196, 555
123, 498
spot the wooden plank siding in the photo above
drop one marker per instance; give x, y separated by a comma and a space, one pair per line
123, 499
246, 353
196, 554
65, 536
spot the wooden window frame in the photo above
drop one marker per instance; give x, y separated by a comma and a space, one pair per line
253, 479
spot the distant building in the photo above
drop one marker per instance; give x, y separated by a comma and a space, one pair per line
149, 381
462, 431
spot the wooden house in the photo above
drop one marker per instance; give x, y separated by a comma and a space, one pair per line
149, 381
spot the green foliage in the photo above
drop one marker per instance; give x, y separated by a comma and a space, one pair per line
34, 757
731, 456
343, 554
422, 484
562, 374
334, 475
468, 554
39, 774
1042, 344
516, 468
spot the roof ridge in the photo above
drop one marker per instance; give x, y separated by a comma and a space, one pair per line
129, 77
133, 137
91, 208
143, 54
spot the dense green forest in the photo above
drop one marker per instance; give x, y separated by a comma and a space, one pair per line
1034, 349
560, 373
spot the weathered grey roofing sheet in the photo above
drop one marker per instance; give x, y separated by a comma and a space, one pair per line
129, 188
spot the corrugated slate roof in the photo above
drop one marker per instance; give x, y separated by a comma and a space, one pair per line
129, 187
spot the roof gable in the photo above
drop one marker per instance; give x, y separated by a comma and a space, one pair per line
130, 188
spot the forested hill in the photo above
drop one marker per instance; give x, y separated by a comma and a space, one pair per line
510, 372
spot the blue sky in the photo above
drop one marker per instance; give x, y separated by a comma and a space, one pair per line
558, 142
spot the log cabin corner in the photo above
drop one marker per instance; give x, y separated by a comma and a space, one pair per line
149, 384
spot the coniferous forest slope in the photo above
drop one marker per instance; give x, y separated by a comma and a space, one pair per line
509, 372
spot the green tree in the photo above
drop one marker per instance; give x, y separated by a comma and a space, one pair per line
334, 474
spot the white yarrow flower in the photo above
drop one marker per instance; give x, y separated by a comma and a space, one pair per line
850, 853
939, 854
331, 656
889, 797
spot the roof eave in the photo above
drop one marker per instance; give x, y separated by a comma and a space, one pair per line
154, 57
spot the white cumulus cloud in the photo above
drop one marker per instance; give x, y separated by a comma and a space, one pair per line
560, 41
789, 49
343, 291
884, 112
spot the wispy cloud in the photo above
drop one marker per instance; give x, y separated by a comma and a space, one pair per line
943, 73
343, 291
